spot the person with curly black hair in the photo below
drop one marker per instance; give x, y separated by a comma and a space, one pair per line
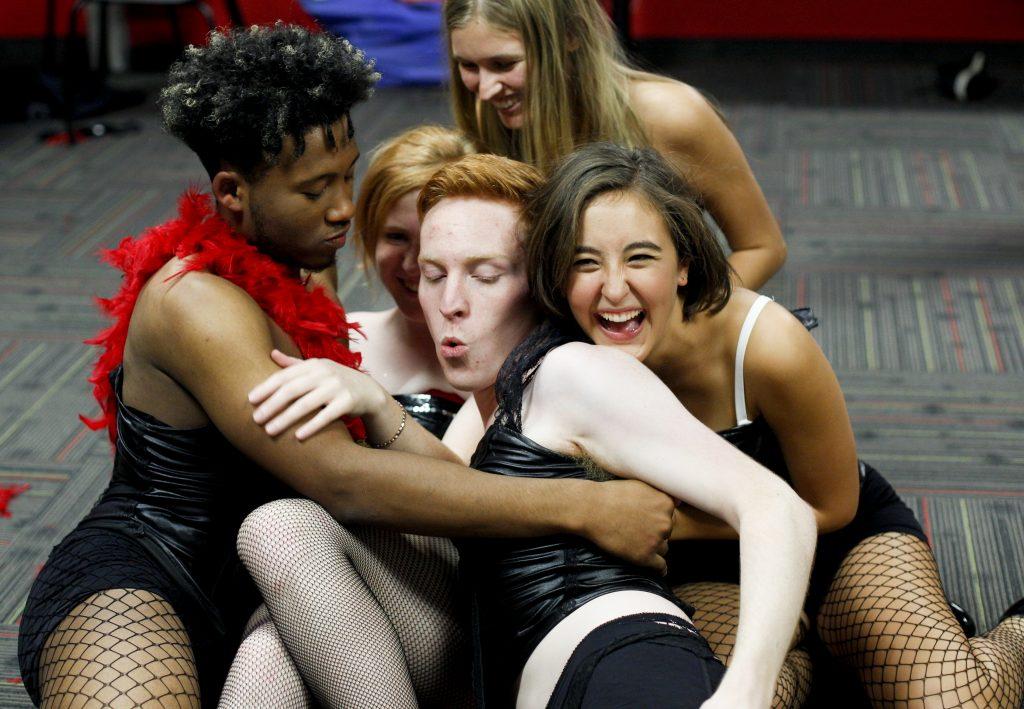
144, 602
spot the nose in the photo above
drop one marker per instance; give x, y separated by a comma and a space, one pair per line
410, 261
453, 300
490, 85
614, 288
342, 209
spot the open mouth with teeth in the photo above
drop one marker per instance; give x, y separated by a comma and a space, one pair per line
622, 325
507, 105
409, 286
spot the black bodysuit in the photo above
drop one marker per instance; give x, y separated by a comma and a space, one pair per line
522, 588
167, 524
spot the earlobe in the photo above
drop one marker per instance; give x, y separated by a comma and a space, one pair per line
684, 272
229, 191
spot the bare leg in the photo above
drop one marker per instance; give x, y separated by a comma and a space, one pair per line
119, 648
367, 614
716, 617
886, 616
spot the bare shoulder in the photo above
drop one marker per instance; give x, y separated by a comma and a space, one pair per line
373, 325
675, 115
780, 350
570, 372
182, 313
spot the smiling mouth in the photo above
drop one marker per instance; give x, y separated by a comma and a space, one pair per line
338, 238
507, 105
414, 289
621, 325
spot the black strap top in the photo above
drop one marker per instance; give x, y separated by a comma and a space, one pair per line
524, 587
182, 493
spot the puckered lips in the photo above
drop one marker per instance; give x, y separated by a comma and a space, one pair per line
620, 325
452, 347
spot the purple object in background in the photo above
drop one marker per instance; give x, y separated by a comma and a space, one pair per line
404, 37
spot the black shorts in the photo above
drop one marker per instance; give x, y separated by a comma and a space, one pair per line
649, 659
91, 560
879, 510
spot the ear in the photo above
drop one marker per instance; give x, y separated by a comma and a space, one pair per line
684, 273
230, 190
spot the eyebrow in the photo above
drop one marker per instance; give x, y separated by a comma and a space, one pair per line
494, 58
629, 247
472, 262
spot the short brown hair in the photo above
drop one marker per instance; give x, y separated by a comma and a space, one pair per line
484, 176
554, 218
399, 166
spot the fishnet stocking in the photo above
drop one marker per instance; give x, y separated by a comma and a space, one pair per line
119, 648
717, 609
263, 674
367, 614
886, 615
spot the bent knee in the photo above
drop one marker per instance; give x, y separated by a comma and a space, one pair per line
277, 523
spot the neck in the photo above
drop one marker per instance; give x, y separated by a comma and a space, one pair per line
677, 350
486, 403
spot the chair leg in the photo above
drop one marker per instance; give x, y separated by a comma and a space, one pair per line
69, 87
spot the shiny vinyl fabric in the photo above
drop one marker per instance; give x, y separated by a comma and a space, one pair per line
434, 413
522, 588
169, 517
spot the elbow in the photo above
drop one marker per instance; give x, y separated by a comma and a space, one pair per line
778, 255
835, 517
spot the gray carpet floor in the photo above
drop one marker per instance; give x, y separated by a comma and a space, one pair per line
906, 231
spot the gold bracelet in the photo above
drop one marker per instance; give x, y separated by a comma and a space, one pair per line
401, 427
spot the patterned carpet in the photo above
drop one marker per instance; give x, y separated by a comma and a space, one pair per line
906, 234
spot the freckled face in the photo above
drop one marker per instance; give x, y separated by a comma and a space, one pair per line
623, 285
299, 210
396, 255
473, 288
492, 65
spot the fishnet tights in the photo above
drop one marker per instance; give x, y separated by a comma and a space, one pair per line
263, 674
367, 614
716, 617
886, 615
119, 648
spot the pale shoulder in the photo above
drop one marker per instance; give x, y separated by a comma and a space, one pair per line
373, 325
675, 115
579, 372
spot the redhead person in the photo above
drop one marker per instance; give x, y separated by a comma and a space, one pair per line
617, 246
534, 79
559, 622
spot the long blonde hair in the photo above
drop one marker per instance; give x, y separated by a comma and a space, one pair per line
400, 165
572, 52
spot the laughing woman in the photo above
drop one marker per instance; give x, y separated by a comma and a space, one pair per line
618, 246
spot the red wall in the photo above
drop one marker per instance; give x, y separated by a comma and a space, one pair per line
27, 18
985, 20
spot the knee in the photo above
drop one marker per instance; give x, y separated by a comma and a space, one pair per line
274, 526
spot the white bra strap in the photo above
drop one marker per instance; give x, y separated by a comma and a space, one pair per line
739, 391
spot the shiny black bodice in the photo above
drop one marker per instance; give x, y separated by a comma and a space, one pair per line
432, 412
524, 587
182, 493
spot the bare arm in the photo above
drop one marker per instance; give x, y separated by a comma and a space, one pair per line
686, 129
648, 435
221, 344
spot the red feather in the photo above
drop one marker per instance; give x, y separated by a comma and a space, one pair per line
316, 324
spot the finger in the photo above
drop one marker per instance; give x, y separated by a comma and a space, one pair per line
286, 393
660, 565
299, 409
663, 548
284, 360
330, 413
269, 385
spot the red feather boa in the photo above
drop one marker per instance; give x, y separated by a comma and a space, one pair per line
316, 324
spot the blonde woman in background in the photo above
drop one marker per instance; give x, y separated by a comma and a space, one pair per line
534, 79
